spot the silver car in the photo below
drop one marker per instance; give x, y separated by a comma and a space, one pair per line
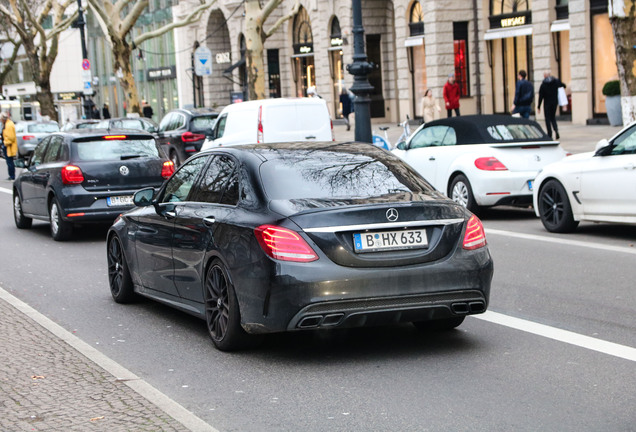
30, 133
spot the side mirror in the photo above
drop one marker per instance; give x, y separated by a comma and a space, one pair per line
143, 197
600, 146
401, 145
20, 163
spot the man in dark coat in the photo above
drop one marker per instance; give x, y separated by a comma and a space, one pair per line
345, 100
549, 91
524, 95
146, 109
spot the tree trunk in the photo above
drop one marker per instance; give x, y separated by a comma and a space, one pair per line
41, 80
254, 45
121, 55
623, 22
47, 103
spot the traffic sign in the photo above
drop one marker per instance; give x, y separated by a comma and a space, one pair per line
202, 61
88, 88
86, 64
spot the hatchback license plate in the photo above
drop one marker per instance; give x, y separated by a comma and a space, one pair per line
390, 240
119, 201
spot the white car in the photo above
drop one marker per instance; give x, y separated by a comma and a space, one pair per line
481, 160
598, 186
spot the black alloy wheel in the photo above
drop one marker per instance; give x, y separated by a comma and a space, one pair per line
119, 279
555, 209
21, 221
222, 314
60, 229
439, 324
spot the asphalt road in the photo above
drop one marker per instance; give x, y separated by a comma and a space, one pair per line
512, 369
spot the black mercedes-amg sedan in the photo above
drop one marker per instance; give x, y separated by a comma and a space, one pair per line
282, 237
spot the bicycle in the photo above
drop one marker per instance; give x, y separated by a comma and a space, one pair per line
384, 142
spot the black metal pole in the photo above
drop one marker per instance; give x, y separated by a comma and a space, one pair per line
80, 24
194, 76
360, 68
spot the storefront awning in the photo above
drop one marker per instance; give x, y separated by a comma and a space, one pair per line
503, 33
414, 41
229, 70
560, 25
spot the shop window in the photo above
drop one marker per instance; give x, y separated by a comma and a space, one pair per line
460, 41
416, 21
499, 7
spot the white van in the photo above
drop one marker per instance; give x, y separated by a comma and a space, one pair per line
271, 121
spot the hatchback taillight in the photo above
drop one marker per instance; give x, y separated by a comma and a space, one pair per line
28, 137
490, 164
475, 236
191, 137
72, 174
284, 244
167, 169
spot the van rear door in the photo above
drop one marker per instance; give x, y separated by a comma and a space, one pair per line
314, 121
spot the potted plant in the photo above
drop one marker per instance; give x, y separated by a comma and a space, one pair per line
612, 93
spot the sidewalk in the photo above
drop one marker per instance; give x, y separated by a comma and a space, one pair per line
46, 384
574, 138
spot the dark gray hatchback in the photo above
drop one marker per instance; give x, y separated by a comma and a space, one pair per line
86, 176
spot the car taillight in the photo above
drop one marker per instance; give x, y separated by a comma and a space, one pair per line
284, 244
475, 237
167, 169
490, 164
190, 137
72, 174
259, 133
28, 137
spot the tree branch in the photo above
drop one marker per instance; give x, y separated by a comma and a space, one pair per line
130, 19
280, 22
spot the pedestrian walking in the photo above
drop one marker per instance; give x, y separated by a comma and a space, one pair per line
146, 109
10, 143
549, 92
345, 102
524, 95
105, 112
429, 106
451, 93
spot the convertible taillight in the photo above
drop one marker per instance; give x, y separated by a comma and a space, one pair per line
284, 244
475, 237
490, 164
28, 137
167, 169
72, 174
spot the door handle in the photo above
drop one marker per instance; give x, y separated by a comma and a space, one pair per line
310, 137
171, 214
209, 221
432, 158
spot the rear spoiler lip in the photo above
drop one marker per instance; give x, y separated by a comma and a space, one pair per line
525, 143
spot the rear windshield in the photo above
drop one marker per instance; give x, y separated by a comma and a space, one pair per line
203, 122
127, 124
43, 127
116, 149
511, 132
330, 174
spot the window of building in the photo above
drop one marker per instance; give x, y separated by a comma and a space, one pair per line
500, 7
460, 41
416, 20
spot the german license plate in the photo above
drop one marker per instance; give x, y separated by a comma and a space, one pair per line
119, 201
390, 240
530, 184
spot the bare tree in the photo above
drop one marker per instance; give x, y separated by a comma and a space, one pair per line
7, 38
255, 37
117, 19
26, 18
623, 19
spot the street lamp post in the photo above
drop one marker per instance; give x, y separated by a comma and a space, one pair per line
80, 24
360, 68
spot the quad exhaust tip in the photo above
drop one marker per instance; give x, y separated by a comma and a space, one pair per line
465, 308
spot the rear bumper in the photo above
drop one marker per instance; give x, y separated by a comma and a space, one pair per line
497, 188
79, 205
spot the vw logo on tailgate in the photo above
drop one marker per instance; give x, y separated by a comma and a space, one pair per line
123, 170
392, 214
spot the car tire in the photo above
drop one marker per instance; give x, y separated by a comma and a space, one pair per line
461, 192
174, 157
60, 229
439, 324
555, 209
119, 279
21, 221
222, 315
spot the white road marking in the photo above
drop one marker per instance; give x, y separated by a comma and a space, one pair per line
610, 348
169, 406
7, 191
561, 240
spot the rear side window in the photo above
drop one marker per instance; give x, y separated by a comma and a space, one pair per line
220, 126
180, 184
512, 132
116, 149
203, 122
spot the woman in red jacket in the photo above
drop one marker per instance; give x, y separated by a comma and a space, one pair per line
451, 95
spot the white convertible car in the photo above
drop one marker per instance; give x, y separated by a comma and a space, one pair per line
481, 160
598, 186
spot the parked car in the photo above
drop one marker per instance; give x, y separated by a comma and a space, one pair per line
30, 133
130, 123
183, 131
293, 236
79, 124
85, 176
481, 160
598, 186
271, 121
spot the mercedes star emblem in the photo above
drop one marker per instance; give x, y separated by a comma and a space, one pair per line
392, 214
123, 170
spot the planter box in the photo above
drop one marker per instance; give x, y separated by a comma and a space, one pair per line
614, 110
